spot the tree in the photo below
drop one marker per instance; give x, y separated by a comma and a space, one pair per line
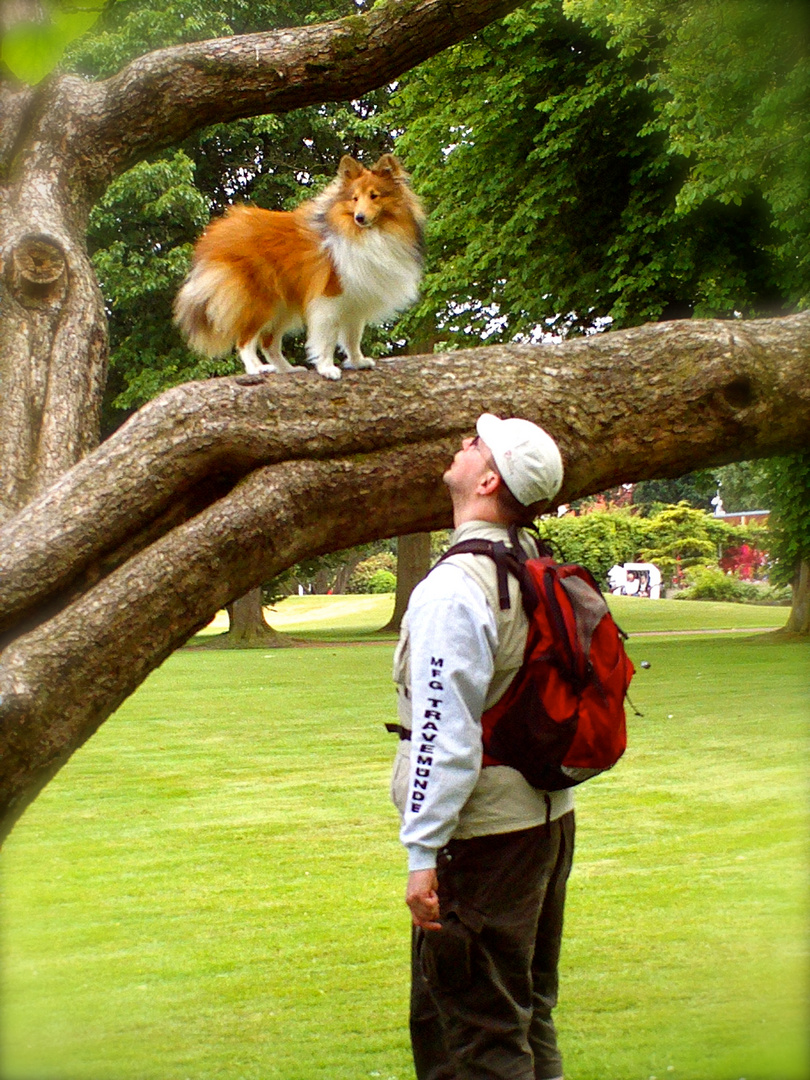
614, 160
413, 562
679, 537
247, 626
217, 486
597, 539
789, 497
63, 141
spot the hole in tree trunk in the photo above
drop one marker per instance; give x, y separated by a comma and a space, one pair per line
38, 271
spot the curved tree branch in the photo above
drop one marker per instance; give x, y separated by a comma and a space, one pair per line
161, 97
218, 486
658, 400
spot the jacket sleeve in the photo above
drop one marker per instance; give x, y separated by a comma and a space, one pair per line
453, 640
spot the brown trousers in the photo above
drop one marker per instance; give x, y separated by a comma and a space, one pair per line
484, 986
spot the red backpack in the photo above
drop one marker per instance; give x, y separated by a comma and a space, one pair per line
561, 720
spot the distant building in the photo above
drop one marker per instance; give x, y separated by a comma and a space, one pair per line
745, 517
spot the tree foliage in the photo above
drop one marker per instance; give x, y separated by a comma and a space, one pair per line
789, 522
680, 536
597, 540
673, 537
40, 33
613, 160
376, 574
730, 91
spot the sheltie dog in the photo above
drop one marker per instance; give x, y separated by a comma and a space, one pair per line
350, 256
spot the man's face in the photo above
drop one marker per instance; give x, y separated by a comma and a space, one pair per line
470, 465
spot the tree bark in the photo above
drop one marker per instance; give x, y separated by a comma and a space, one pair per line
413, 562
53, 345
248, 628
799, 621
62, 142
413, 550
215, 487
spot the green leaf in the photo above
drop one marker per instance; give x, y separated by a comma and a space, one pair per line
31, 50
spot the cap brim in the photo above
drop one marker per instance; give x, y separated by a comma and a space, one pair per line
488, 427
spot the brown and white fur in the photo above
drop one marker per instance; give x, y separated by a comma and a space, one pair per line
351, 256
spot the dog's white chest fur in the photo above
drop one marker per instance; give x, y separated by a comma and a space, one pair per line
378, 273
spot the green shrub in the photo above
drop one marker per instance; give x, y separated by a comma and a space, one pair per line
365, 573
680, 537
382, 581
597, 539
711, 583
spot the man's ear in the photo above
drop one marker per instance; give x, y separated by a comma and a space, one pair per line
489, 482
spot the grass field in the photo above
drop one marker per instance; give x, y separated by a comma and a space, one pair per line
335, 618
212, 888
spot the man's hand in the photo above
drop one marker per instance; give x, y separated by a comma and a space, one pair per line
423, 899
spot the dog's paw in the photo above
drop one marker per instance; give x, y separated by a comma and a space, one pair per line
363, 362
329, 371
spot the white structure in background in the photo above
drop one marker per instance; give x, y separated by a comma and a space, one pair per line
617, 579
645, 580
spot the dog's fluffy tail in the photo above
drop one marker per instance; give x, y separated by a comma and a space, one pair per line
207, 308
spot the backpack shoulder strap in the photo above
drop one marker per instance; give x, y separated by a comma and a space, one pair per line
507, 561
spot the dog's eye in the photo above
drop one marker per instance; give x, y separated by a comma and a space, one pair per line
374, 195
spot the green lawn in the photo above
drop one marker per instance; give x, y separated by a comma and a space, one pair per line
349, 617
212, 887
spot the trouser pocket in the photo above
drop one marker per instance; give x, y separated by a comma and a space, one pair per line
446, 955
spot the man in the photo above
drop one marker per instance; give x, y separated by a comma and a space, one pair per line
488, 855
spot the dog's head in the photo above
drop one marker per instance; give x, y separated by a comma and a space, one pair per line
370, 197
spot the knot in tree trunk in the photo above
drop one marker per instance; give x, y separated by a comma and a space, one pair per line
38, 271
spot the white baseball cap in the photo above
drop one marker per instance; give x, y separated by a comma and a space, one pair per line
527, 457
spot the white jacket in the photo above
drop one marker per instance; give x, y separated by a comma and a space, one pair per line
456, 656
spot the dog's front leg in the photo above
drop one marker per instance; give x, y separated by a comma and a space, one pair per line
349, 339
323, 322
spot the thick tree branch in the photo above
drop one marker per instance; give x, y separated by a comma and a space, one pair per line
161, 97
654, 401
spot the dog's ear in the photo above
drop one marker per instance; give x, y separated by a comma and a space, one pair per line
349, 169
389, 167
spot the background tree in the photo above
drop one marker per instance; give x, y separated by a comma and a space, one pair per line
608, 159
789, 498
679, 537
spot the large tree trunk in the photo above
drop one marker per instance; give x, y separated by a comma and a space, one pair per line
799, 621
53, 347
413, 562
247, 627
217, 486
